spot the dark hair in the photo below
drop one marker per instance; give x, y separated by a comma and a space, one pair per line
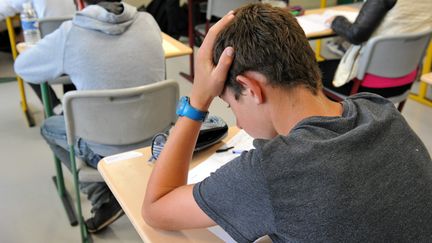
91, 2
270, 41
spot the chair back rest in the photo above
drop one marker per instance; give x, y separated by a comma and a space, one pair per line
393, 56
48, 25
120, 116
219, 8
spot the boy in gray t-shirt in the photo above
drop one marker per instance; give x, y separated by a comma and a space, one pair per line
321, 171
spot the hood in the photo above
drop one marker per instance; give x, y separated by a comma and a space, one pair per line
96, 17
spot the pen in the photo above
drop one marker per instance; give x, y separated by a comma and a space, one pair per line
237, 151
224, 149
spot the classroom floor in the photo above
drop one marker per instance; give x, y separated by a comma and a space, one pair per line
29, 207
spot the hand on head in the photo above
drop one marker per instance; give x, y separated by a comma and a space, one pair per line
209, 79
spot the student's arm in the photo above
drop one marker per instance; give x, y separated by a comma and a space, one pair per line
44, 61
9, 8
369, 18
169, 203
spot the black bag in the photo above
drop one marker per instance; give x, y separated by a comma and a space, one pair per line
157, 9
171, 18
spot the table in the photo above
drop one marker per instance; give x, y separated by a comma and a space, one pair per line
171, 46
328, 32
128, 178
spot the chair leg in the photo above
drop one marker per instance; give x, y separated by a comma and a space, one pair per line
401, 105
63, 194
46, 99
85, 237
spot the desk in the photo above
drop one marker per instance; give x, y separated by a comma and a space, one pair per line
427, 65
171, 46
328, 32
128, 178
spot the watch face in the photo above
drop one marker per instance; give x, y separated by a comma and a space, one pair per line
181, 105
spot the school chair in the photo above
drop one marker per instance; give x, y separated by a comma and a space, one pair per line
389, 61
116, 117
48, 25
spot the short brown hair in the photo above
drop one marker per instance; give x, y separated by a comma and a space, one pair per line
270, 41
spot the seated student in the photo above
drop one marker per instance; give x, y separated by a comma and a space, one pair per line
321, 171
44, 9
376, 18
107, 45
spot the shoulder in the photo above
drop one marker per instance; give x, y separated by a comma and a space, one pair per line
370, 100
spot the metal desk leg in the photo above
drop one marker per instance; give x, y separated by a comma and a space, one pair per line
191, 37
24, 105
319, 58
58, 179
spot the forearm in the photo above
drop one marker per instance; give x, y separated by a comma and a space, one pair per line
44, 61
171, 169
169, 202
369, 18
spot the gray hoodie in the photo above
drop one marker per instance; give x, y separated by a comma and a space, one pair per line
98, 49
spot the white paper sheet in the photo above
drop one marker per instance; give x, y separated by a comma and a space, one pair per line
123, 156
350, 15
317, 22
241, 141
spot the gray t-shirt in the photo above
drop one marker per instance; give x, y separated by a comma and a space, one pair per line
361, 177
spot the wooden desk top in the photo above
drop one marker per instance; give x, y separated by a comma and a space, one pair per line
172, 47
128, 178
327, 32
427, 77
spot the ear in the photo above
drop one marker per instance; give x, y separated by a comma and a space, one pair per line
252, 86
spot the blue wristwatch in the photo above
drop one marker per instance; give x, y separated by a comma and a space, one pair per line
185, 109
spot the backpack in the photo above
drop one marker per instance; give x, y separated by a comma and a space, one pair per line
171, 18
213, 130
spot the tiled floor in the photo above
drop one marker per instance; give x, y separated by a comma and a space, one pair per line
29, 207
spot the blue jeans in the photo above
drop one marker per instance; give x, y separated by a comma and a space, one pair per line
54, 132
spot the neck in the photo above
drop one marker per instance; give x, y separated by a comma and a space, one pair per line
288, 108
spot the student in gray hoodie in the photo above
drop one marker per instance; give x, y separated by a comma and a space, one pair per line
107, 45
